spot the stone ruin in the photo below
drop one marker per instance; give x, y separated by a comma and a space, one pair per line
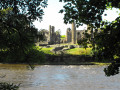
50, 36
72, 36
53, 37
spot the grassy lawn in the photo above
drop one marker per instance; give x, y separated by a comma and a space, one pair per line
62, 36
100, 63
79, 51
75, 51
45, 50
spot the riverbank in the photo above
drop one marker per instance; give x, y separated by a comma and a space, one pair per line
66, 60
82, 63
72, 60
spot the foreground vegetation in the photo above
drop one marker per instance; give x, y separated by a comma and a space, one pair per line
17, 32
8, 86
33, 55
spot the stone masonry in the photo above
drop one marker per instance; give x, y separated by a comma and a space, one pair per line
72, 36
68, 35
73, 33
50, 36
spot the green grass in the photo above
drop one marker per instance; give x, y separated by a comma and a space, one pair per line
62, 36
79, 51
75, 51
45, 50
100, 63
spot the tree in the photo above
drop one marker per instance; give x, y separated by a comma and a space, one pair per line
16, 34
84, 11
84, 41
90, 12
16, 29
108, 41
33, 9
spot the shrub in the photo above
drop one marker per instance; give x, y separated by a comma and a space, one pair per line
11, 56
35, 56
8, 86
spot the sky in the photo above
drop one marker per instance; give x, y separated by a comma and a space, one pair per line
52, 17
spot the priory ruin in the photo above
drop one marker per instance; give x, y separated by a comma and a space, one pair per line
53, 37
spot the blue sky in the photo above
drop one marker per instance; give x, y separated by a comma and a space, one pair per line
52, 17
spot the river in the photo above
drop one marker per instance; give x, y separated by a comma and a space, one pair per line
59, 77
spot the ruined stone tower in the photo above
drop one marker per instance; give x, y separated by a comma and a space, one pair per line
74, 41
68, 35
50, 34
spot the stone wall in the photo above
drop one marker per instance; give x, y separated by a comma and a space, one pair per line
72, 36
68, 59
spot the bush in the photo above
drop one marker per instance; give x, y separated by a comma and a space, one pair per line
12, 56
31, 56
35, 56
8, 86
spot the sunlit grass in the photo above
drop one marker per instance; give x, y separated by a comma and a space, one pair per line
45, 50
75, 51
79, 51
101, 64
62, 36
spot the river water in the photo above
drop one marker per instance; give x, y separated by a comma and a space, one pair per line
62, 77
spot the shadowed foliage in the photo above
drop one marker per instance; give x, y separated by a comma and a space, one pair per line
90, 12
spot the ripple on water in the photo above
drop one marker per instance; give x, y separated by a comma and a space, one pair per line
53, 77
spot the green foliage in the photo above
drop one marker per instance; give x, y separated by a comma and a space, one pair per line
17, 32
90, 12
31, 56
83, 11
12, 57
83, 42
16, 37
8, 86
108, 40
113, 68
35, 56
33, 9
108, 45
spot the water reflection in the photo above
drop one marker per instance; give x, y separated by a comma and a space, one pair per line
52, 77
